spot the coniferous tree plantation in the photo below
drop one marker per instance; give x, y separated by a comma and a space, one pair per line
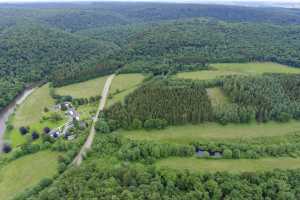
150, 101
272, 97
174, 103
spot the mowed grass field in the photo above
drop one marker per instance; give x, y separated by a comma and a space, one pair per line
255, 68
204, 74
84, 89
31, 110
224, 69
213, 131
234, 166
124, 84
26, 172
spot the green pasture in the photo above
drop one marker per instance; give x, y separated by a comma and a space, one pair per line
32, 109
219, 165
225, 69
84, 89
122, 85
26, 172
214, 131
255, 68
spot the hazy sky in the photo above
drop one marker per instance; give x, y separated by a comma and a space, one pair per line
182, 1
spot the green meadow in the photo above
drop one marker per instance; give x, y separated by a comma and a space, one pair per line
225, 69
122, 85
234, 166
26, 172
214, 131
84, 89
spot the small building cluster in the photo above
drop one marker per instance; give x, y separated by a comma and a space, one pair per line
72, 114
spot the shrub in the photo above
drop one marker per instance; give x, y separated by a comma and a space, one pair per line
23, 130
155, 124
236, 153
227, 153
149, 124
113, 124
283, 117
251, 154
102, 127
6, 148
205, 154
46, 109
9, 127
47, 130
55, 117
137, 124
35, 135
62, 167
45, 182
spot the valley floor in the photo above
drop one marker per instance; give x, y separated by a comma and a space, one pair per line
214, 131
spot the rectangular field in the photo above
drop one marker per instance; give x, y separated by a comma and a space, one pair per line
224, 69
234, 166
255, 68
84, 89
204, 74
214, 131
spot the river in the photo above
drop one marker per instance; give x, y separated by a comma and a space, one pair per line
4, 114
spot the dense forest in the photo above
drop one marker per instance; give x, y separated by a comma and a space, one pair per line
171, 101
271, 96
115, 179
66, 43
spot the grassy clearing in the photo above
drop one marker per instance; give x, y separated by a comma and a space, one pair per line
204, 74
214, 131
31, 110
224, 69
255, 68
243, 165
125, 81
26, 172
84, 89
123, 85
217, 96
119, 97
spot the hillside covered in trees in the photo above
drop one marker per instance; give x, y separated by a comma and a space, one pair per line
66, 43
220, 132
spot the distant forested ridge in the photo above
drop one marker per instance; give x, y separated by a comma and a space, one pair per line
66, 43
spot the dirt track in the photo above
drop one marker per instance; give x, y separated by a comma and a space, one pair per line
88, 143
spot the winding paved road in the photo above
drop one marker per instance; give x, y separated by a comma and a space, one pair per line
88, 143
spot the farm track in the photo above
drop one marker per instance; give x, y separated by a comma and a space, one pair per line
88, 143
